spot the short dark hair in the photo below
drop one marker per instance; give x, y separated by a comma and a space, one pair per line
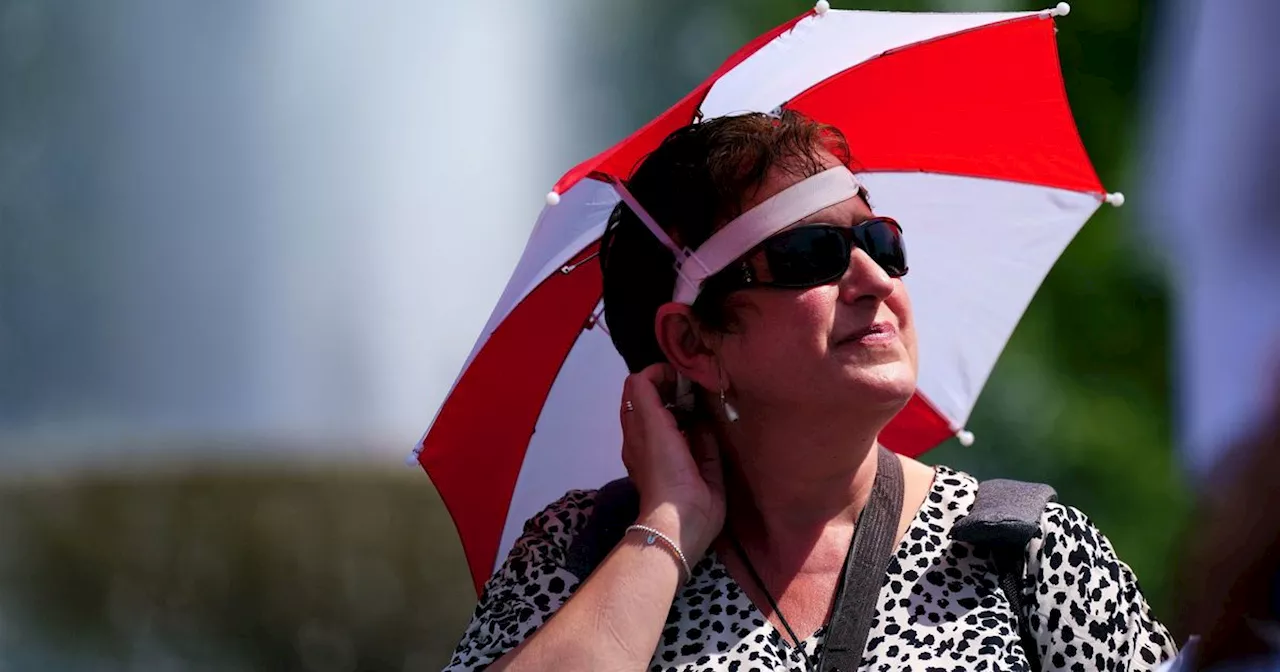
696, 181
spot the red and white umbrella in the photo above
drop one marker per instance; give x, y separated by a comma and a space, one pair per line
963, 129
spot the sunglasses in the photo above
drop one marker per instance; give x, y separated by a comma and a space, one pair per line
817, 254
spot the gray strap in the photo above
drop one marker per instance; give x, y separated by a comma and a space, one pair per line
1004, 513
864, 569
1004, 518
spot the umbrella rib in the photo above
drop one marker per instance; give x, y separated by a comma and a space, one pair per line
569, 268
597, 320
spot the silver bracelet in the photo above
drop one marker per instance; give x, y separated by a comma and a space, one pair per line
654, 536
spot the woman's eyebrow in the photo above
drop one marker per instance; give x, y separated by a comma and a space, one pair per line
858, 218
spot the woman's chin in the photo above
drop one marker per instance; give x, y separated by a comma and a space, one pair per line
888, 384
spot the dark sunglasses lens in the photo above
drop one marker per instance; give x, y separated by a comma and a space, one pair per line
807, 256
882, 240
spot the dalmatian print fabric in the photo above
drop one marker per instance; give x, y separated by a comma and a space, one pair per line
940, 606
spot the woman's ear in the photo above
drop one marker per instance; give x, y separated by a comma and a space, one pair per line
685, 344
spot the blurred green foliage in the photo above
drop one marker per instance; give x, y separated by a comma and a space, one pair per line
318, 570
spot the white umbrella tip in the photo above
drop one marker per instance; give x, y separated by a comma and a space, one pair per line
1116, 199
822, 7
411, 460
553, 198
1062, 9
965, 437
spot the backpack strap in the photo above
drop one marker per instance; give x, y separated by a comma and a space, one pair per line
616, 507
1004, 518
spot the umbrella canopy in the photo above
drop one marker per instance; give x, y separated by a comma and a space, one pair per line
963, 130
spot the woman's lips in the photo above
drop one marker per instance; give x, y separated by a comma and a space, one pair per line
878, 333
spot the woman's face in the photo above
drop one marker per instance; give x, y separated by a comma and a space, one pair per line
849, 342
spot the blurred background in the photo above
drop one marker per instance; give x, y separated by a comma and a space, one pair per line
245, 249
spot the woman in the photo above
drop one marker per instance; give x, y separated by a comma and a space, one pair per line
748, 503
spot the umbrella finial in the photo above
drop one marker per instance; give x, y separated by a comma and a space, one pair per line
822, 7
1062, 9
553, 198
965, 437
1116, 199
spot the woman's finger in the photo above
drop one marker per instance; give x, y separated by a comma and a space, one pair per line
642, 390
637, 390
659, 374
649, 383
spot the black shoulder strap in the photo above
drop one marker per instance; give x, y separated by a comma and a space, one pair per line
864, 570
616, 507
1004, 518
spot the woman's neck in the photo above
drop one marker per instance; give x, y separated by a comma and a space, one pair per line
801, 478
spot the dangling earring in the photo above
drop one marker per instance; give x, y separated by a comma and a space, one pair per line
729, 411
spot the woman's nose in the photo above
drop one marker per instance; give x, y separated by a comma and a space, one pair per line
865, 279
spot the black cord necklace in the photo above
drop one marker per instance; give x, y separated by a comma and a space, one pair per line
874, 534
773, 604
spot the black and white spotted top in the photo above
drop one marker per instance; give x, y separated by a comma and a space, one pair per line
940, 606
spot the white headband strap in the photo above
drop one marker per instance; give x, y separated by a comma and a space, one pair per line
754, 226
749, 229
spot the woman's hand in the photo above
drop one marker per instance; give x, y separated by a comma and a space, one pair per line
608, 624
678, 474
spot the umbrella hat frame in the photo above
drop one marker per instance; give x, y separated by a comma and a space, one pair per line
962, 132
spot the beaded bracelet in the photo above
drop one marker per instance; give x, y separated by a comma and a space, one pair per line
654, 536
